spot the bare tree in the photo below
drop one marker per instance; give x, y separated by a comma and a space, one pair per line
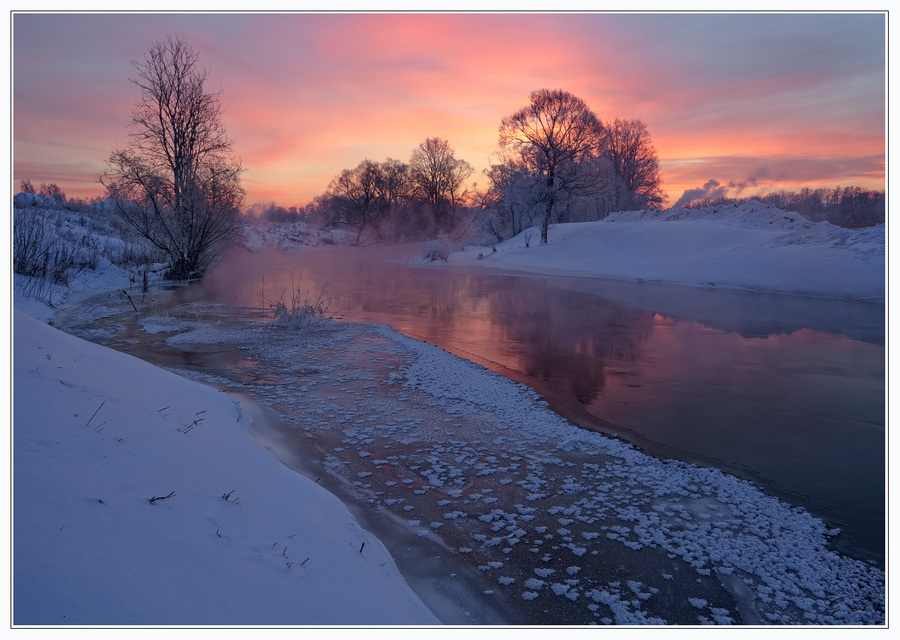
440, 178
52, 190
629, 147
397, 190
374, 196
512, 199
177, 183
552, 136
355, 197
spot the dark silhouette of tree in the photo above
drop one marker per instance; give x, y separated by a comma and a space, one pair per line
373, 196
25, 186
552, 136
440, 177
52, 190
356, 198
628, 145
177, 183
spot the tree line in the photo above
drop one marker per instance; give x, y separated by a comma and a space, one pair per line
177, 182
846, 206
556, 162
393, 200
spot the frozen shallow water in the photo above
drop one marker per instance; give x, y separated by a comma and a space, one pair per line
549, 523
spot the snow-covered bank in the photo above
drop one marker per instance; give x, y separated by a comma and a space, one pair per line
750, 246
140, 499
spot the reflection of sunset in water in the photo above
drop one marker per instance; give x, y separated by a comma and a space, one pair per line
716, 377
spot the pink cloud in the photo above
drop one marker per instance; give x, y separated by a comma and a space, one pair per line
306, 95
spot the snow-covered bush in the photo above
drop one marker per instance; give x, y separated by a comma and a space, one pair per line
301, 310
438, 250
53, 243
40, 252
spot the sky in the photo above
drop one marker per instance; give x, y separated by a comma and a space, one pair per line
746, 102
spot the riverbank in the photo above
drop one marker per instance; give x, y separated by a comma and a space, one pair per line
139, 498
747, 246
567, 526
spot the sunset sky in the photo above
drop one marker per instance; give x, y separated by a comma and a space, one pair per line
756, 102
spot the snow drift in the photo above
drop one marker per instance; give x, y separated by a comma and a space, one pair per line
140, 499
743, 246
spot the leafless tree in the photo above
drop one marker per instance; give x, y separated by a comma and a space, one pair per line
355, 197
373, 197
440, 178
629, 147
52, 190
552, 136
177, 183
511, 201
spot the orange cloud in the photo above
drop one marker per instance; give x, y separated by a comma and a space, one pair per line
307, 95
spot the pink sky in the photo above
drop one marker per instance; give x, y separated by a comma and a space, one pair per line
766, 102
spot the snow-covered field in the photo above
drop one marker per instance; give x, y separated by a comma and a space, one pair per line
140, 498
749, 246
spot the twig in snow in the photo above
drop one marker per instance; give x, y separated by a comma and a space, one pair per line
130, 300
362, 547
95, 413
155, 498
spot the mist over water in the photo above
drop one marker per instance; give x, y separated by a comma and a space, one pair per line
787, 391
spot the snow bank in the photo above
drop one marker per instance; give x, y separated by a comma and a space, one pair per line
288, 236
746, 246
140, 499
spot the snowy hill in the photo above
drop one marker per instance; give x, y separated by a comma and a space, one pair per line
140, 499
749, 246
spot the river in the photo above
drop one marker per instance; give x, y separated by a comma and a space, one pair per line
788, 391
785, 391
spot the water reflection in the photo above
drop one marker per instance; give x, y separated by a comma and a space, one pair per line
788, 391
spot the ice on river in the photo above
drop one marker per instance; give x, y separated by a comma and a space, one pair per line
565, 525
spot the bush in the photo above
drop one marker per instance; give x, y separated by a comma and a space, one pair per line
439, 250
301, 311
37, 249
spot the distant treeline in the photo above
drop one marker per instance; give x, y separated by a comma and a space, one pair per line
845, 206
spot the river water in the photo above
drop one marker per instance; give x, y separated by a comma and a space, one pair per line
785, 391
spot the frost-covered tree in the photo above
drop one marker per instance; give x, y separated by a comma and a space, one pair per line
552, 137
511, 202
178, 182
